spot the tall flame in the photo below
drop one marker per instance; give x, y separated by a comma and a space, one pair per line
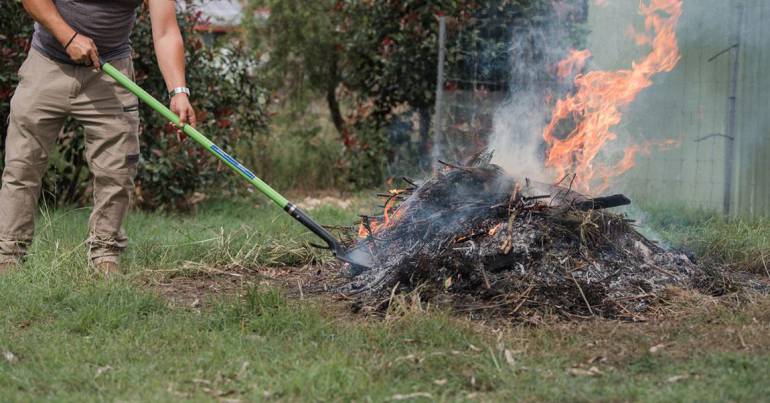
596, 104
572, 63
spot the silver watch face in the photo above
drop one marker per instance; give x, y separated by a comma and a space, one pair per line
180, 90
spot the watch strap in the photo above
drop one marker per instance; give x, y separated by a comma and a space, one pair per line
179, 90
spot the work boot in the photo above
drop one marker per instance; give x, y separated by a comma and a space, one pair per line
108, 270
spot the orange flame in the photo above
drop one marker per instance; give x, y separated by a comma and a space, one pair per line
389, 218
599, 97
572, 63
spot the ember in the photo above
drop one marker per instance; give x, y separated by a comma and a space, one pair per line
489, 241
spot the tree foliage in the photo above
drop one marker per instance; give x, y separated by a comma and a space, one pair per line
381, 56
300, 42
15, 34
230, 102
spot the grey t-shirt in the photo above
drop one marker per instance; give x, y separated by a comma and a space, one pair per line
108, 23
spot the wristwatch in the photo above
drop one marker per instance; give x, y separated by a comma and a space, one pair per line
179, 90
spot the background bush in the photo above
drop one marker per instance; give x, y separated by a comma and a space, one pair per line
228, 96
230, 102
15, 33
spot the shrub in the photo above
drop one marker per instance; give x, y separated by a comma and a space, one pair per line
230, 103
15, 34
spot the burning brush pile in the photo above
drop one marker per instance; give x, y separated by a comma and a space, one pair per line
481, 239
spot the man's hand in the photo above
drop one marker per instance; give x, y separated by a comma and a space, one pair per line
180, 105
82, 50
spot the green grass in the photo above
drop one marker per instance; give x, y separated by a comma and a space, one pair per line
741, 242
223, 233
77, 339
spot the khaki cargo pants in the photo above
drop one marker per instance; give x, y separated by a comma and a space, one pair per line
49, 92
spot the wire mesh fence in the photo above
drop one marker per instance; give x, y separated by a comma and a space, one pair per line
714, 104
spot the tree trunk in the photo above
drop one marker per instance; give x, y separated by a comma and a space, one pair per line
334, 109
331, 98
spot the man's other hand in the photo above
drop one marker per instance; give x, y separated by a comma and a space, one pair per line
180, 104
82, 50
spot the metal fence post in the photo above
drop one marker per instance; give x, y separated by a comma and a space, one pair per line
735, 41
438, 119
730, 134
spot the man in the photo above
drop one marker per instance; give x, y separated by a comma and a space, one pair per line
61, 77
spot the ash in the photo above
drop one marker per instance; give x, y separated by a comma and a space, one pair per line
484, 241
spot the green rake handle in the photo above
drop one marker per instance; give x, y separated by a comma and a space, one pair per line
194, 134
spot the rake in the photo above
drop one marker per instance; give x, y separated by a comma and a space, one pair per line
359, 257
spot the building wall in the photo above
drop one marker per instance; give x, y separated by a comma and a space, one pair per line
690, 104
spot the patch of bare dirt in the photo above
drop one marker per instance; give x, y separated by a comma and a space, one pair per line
197, 289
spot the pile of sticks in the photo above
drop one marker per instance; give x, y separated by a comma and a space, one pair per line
516, 247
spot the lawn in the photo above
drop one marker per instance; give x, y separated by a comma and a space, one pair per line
67, 337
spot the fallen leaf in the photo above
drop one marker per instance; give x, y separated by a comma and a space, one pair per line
224, 394
411, 396
102, 370
677, 378
10, 357
593, 371
474, 348
440, 382
447, 283
173, 391
196, 303
509, 357
243, 369
598, 358
656, 348
410, 357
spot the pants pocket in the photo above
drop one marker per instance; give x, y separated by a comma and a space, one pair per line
130, 105
131, 142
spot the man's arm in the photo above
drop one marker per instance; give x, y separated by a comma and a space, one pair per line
169, 50
81, 49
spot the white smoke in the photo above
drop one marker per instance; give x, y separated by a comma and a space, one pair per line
517, 137
536, 49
